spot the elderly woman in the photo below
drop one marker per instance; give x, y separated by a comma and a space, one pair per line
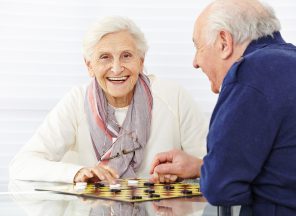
114, 126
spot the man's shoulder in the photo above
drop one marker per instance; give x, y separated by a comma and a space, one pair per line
265, 60
273, 54
269, 69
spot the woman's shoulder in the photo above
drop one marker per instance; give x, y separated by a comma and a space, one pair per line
77, 92
74, 97
170, 92
161, 85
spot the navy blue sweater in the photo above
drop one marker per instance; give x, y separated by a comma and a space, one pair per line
251, 143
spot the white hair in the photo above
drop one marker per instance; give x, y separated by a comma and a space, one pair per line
110, 25
246, 20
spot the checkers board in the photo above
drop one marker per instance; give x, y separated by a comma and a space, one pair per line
142, 191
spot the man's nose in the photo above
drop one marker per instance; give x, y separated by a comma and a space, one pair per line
194, 63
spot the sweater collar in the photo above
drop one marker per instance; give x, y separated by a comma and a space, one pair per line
275, 38
260, 43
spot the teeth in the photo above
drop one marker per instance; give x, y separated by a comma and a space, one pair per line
117, 78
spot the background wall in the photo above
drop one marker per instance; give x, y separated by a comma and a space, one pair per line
40, 54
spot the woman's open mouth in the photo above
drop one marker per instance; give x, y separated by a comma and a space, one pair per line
117, 80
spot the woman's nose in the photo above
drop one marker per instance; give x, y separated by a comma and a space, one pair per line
117, 68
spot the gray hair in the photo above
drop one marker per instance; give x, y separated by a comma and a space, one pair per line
110, 25
244, 19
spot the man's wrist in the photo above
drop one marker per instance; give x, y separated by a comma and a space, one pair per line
198, 163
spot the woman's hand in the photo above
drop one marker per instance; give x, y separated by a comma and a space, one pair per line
97, 173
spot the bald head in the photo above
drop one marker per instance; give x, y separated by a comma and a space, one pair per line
244, 19
223, 31
244, 5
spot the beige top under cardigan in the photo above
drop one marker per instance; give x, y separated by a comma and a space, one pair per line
61, 146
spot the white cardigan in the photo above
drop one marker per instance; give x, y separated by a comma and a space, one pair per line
62, 145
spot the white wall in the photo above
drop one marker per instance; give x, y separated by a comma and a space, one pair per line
40, 54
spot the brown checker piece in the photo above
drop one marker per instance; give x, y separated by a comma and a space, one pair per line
135, 193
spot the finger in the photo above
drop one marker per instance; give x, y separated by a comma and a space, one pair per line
167, 168
161, 178
77, 176
109, 177
81, 178
83, 175
104, 174
112, 172
167, 178
88, 173
93, 179
154, 178
155, 162
99, 172
159, 158
77, 179
173, 178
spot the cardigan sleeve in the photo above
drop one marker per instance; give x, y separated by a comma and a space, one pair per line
240, 139
41, 158
193, 125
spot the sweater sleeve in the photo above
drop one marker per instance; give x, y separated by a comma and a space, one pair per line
193, 125
41, 158
239, 141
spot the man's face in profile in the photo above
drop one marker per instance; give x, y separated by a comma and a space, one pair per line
206, 56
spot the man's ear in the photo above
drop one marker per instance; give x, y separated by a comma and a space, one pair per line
89, 68
225, 43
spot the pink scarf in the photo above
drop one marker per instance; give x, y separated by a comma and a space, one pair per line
127, 151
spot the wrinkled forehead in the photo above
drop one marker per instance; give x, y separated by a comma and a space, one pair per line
198, 29
115, 39
201, 22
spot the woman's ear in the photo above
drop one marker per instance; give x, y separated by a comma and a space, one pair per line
89, 68
225, 43
142, 64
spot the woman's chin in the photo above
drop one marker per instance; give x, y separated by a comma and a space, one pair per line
120, 98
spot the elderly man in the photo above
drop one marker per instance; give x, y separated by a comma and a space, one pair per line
252, 136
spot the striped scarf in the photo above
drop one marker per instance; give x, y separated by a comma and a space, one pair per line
108, 138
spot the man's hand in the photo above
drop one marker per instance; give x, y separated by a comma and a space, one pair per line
175, 162
94, 174
167, 178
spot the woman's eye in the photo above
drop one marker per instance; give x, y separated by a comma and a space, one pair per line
104, 57
127, 55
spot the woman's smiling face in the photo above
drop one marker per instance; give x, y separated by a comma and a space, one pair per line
116, 64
